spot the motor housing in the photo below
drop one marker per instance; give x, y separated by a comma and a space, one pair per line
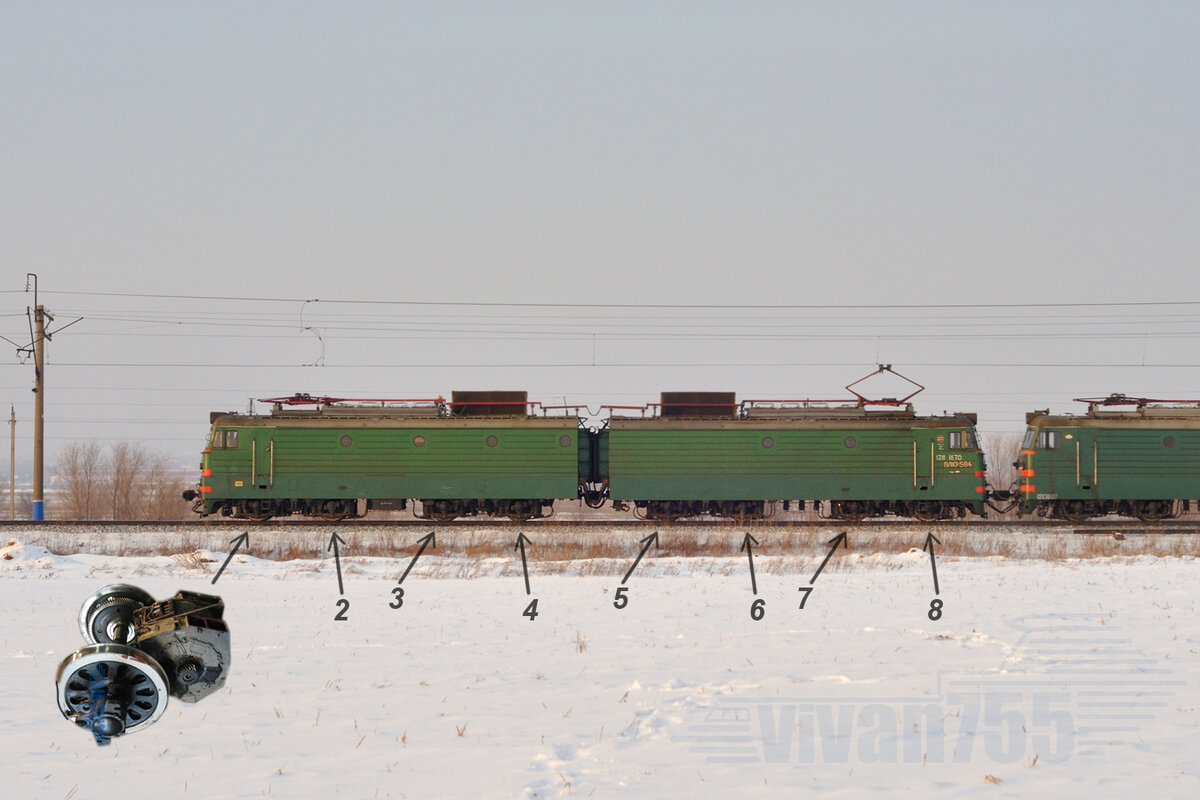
139, 652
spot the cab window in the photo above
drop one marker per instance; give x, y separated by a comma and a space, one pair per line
1047, 440
231, 439
218, 440
962, 440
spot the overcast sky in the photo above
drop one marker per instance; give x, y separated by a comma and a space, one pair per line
802, 190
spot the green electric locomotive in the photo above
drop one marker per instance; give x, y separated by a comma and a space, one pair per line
1128, 456
495, 453
334, 458
703, 454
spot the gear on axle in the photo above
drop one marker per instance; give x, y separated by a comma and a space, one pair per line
139, 653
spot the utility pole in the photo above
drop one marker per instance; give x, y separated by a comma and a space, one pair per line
39, 406
12, 464
39, 336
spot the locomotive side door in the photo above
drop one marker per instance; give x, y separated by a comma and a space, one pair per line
262, 458
1086, 452
922, 460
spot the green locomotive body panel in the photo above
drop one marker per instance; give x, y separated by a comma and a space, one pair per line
877, 456
299, 457
1109, 458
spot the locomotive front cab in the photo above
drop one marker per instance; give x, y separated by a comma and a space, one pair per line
1041, 465
964, 463
1026, 472
968, 443
215, 460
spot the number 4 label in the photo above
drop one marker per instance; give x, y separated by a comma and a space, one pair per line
531, 610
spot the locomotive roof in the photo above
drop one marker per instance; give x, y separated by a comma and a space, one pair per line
1101, 417
381, 418
334, 416
865, 421
807, 413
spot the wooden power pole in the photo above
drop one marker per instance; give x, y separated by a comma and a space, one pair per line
12, 464
40, 336
39, 406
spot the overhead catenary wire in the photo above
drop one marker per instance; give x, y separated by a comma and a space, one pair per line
633, 364
526, 304
425, 320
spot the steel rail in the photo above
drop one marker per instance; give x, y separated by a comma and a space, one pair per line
1127, 527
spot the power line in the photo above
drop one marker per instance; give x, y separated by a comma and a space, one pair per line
743, 306
627, 365
358, 320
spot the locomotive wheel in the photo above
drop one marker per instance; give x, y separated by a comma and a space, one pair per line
740, 510
1152, 510
928, 510
111, 689
1074, 510
109, 608
522, 510
256, 510
662, 511
852, 510
439, 510
334, 511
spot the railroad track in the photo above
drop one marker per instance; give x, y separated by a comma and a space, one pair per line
1123, 527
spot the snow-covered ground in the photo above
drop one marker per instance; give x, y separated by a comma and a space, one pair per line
1061, 678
